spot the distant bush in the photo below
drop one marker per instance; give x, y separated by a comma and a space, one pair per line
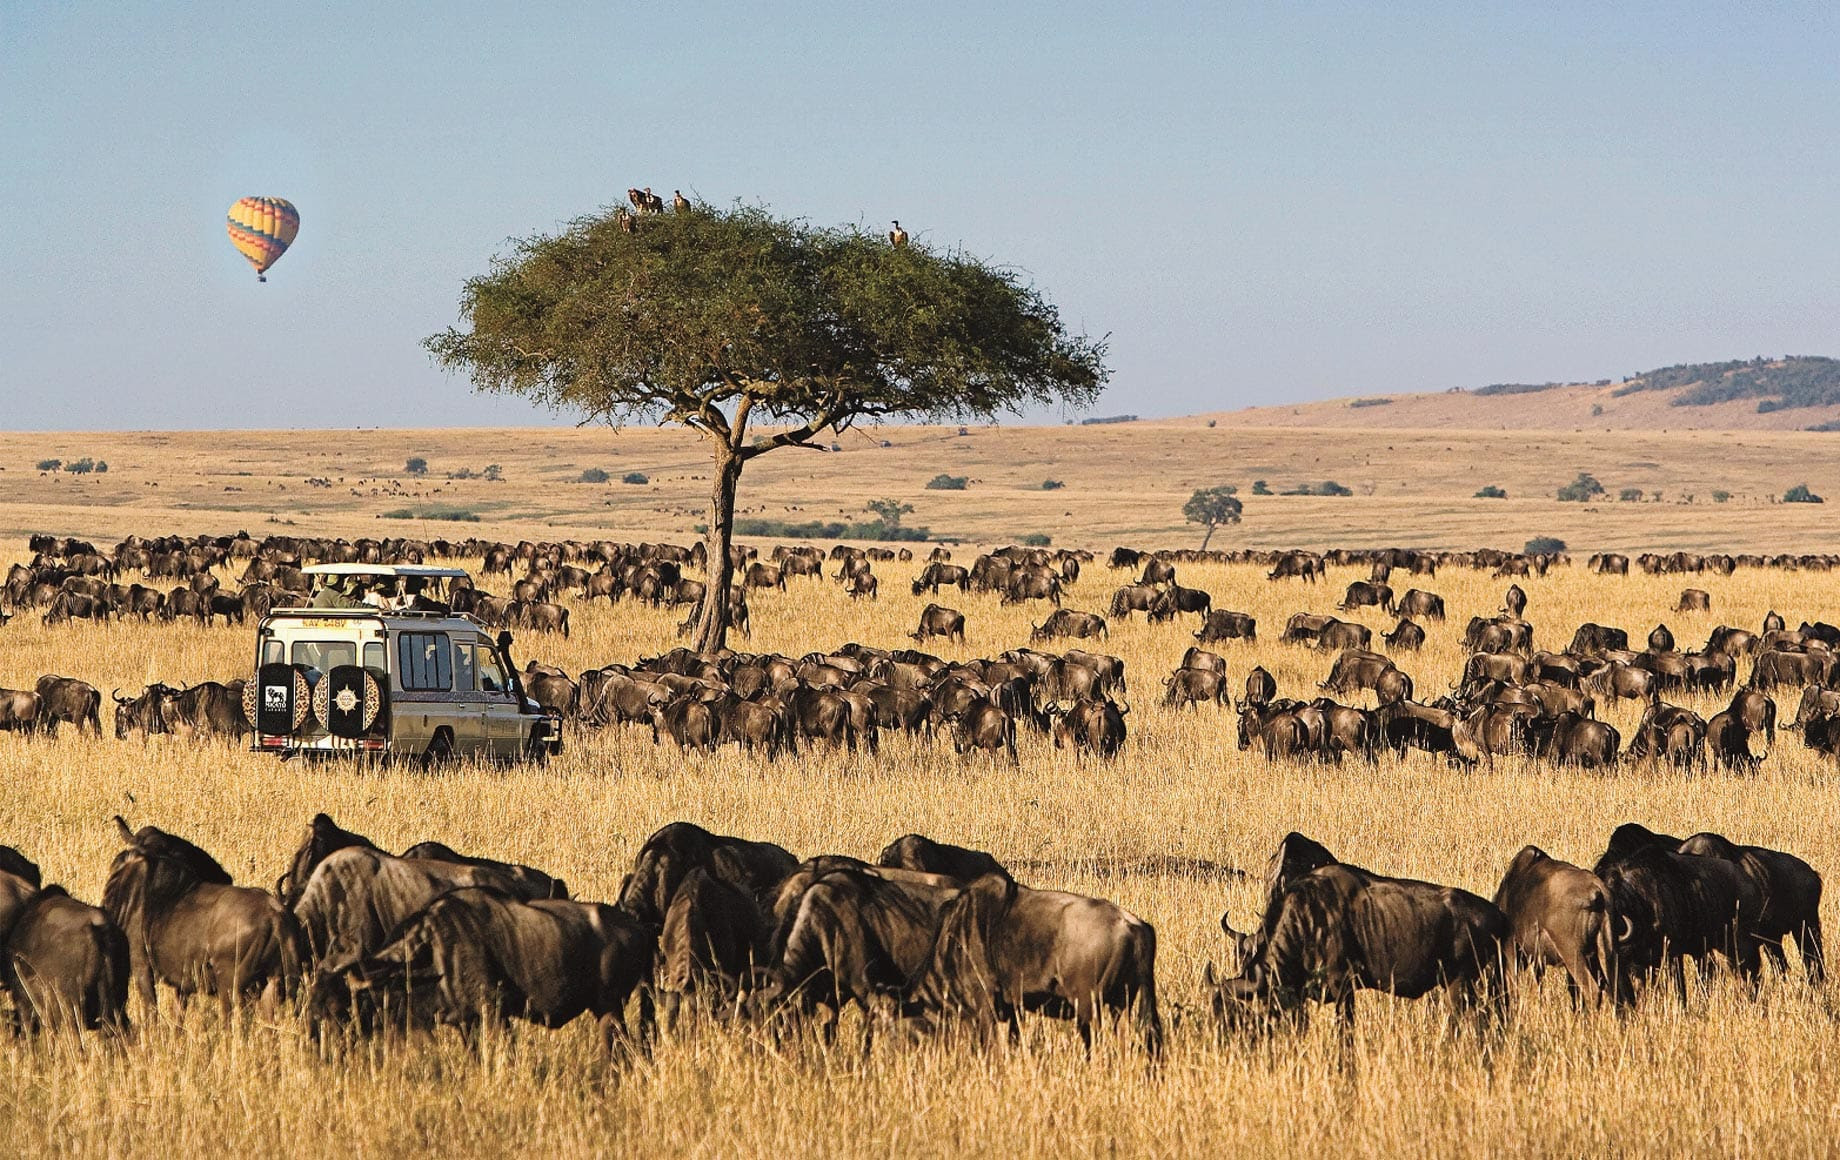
635, 477
1052, 485
1720, 495
416, 466
1800, 494
1375, 402
1779, 384
50, 464
944, 482
1830, 425
1260, 487
1585, 487
83, 466
593, 475
1491, 492
1094, 422
1629, 494
493, 472
451, 515
1544, 546
1514, 388
1036, 540
1326, 487
1596, 410
824, 530
463, 473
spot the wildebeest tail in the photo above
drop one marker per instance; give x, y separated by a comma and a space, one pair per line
1143, 1006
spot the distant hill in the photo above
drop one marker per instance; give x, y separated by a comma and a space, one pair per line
1800, 392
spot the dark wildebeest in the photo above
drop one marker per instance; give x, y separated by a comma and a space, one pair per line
1591, 639
1406, 636
19, 711
64, 963
936, 575
1660, 639
715, 938
1193, 686
1304, 565
1571, 738
1670, 731
1261, 687
1158, 571
525, 882
1791, 892
920, 853
1344, 634
1339, 929
1670, 907
1133, 598
1366, 594
1514, 601
475, 953
1694, 600
675, 849
66, 699
1356, 669
984, 725
1222, 624
1004, 949
1559, 915
186, 923
848, 935
1067, 622
1090, 723
1776, 667
1422, 604
1177, 599
1200, 658
937, 620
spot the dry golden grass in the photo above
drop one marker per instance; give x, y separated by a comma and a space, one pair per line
1726, 1075
1125, 483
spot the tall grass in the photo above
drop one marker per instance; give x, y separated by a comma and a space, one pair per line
1725, 1075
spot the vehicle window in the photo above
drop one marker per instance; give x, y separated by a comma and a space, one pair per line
325, 655
491, 673
463, 669
425, 661
274, 652
374, 656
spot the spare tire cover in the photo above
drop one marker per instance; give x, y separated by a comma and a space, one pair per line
285, 701
353, 698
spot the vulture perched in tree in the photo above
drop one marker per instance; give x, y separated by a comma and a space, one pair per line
897, 236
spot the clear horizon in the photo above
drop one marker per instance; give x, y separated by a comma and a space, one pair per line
1259, 206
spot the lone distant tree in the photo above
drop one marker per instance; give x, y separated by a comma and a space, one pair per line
889, 511
1212, 506
719, 319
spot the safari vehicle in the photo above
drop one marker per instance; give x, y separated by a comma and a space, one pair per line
373, 680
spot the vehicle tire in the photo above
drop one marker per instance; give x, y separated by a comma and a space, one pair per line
440, 749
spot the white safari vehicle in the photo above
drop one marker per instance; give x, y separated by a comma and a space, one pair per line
348, 678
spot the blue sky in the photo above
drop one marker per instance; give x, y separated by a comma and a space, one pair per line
1259, 203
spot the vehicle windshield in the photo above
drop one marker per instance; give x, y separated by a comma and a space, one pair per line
325, 655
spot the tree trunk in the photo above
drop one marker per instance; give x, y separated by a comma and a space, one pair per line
712, 626
1207, 537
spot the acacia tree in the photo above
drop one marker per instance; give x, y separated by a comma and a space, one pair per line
1212, 506
722, 320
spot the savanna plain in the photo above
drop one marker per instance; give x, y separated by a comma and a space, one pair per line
1176, 828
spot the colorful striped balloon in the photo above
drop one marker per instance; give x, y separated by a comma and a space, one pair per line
261, 229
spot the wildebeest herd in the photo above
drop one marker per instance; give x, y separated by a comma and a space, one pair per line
1512, 697
929, 939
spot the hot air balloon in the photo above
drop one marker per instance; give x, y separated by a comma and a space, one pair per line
261, 229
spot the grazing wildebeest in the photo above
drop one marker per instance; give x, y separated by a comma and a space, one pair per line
675, 849
1559, 915
1366, 594
64, 963
1592, 639
66, 699
1356, 669
1177, 599
1406, 636
523, 881
187, 925
1067, 622
715, 938
1088, 723
1791, 892
937, 620
1424, 605
475, 953
1134, 598
1193, 686
920, 853
1339, 929
1670, 907
937, 574
1261, 687
1694, 600
19, 711
1222, 624
1004, 949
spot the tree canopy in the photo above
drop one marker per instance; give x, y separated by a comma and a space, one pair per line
1212, 506
723, 318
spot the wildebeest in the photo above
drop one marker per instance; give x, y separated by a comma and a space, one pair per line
1090, 723
1004, 949
1559, 915
920, 853
19, 711
1592, 639
1670, 907
1406, 636
1133, 598
1339, 929
188, 925
1356, 669
1694, 600
673, 850
1067, 622
476, 953
65, 963
1366, 594
69, 700
1177, 599
715, 938
937, 574
1222, 624
1791, 893
1261, 687
1193, 686
1421, 604
937, 620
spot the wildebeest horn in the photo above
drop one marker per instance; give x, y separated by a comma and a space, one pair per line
119, 699
1629, 930
1226, 927
127, 835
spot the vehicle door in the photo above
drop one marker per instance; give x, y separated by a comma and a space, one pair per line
505, 718
425, 699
